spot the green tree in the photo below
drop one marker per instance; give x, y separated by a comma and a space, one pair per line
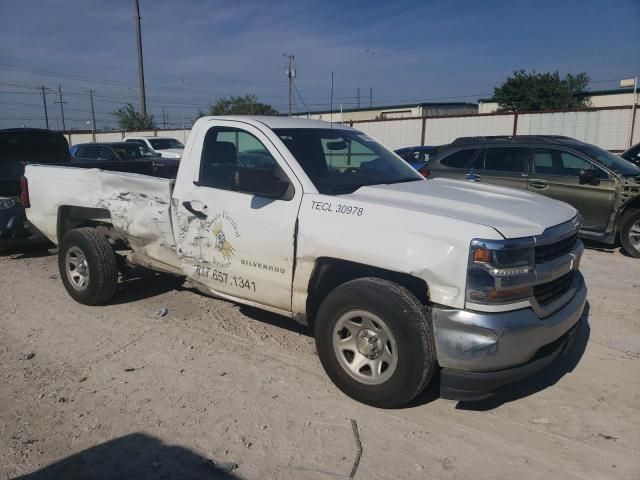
534, 92
241, 105
131, 119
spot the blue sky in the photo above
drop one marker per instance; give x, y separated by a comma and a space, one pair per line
198, 50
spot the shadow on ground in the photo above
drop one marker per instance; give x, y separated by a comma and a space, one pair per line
275, 320
601, 247
138, 456
22, 249
140, 283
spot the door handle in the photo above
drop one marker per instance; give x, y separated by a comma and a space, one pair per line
538, 184
191, 209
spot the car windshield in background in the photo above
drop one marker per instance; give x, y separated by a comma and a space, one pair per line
133, 151
614, 162
165, 143
341, 161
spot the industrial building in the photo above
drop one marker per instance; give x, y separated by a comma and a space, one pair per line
391, 111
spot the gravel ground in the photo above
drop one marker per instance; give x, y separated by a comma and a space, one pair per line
120, 392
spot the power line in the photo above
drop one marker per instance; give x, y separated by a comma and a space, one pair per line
300, 96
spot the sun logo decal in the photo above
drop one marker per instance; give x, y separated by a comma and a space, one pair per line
222, 245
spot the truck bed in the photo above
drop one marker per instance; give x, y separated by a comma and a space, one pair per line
137, 206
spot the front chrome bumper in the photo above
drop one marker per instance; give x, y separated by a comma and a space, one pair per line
486, 342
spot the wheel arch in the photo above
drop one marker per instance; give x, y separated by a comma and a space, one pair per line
71, 217
630, 205
329, 273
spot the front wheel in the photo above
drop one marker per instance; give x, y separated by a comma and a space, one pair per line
87, 266
375, 342
630, 233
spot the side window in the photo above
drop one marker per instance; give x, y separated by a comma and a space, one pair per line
506, 159
227, 150
107, 154
89, 152
459, 159
558, 162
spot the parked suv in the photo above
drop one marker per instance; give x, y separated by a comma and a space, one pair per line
602, 186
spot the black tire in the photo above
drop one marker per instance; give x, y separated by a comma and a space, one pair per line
100, 262
407, 320
628, 221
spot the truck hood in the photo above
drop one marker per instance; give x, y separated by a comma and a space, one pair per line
513, 213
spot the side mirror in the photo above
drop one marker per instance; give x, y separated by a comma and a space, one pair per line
258, 181
589, 176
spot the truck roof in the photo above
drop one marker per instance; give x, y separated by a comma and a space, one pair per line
278, 122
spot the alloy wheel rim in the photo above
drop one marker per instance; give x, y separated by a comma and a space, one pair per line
365, 347
634, 235
77, 268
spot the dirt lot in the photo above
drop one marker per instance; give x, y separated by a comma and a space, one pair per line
118, 392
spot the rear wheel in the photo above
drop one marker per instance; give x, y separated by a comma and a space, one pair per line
630, 233
87, 266
374, 341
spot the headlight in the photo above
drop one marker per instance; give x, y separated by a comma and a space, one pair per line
500, 271
7, 203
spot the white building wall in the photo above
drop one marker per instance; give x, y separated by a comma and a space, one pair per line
393, 134
606, 128
440, 131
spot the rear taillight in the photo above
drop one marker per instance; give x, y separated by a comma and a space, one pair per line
425, 173
24, 192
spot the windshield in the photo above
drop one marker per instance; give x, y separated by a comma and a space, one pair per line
608, 159
165, 143
132, 151
341, 161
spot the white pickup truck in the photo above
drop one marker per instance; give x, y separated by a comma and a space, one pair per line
399, 276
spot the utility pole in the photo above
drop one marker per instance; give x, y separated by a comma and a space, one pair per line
164, 119
44, 102
358, 97
64, 126
291, 73
143, 98
370, 97
93, 117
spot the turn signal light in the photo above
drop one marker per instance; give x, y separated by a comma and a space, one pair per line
482, 255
